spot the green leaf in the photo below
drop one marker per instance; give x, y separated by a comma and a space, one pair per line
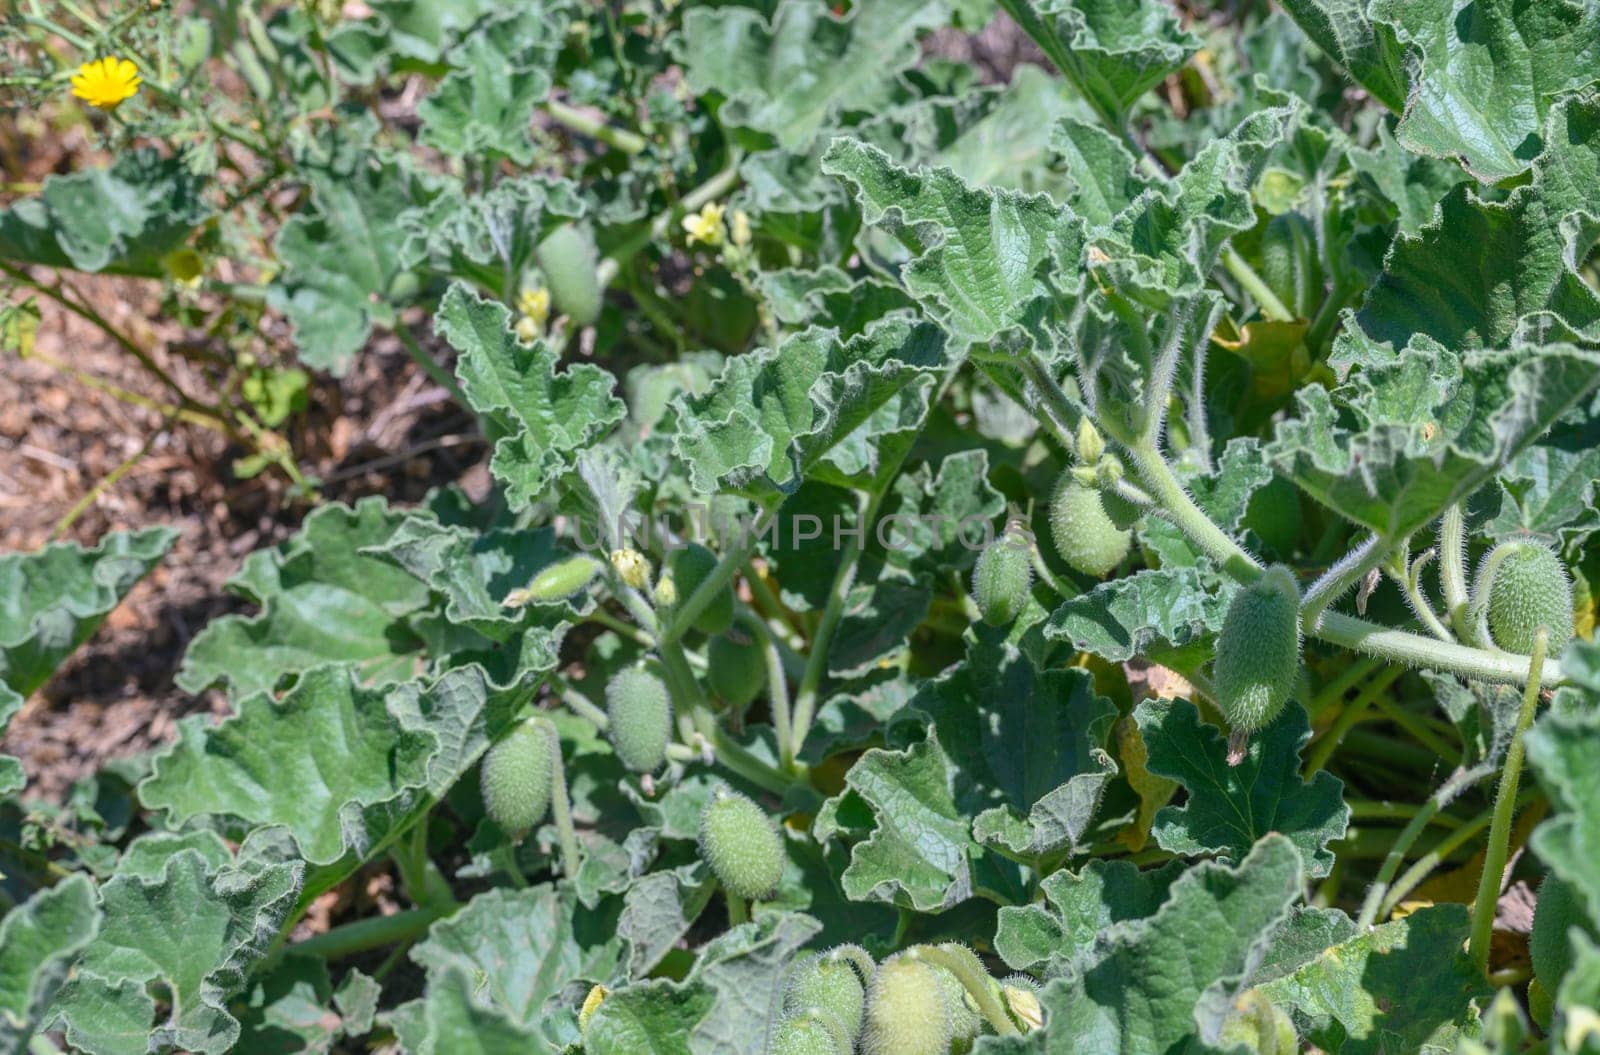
322, 599
422, 31
985, 260
12, 778
1548, 491
1488, 75
39, 940
1026, 747
919, 852
1078, 908
1401, 986
342, 255
1147, 613
501, 72
1113, 51
1368, 49
295, 1007
1561, 749
1430, 428
1151, 985
122, 219
789, 77
191, 932
1470, 277
727, 1005
545, 417
488, 239
1231, 807
815, 407
53, 600
451, 1020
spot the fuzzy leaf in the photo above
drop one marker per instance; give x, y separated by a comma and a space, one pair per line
39, 940
1561, 749
1231, 807
1368, 49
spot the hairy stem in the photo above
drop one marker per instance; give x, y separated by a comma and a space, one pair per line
1494, 862
1272, 309
1169, 494
1453, 572
964, 964
580, 122
561, 805
1348, 571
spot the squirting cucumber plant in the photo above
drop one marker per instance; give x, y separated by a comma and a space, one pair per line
1092, 553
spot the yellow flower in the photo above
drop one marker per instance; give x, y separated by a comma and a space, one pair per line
106, 82
706, 225
535, 304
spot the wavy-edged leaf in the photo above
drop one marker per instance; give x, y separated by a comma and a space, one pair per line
1231, 807
1430, 428
296, 1007
1147, 613
342, 255
189, 931
322, 601
399, 30
1488, 73
53, 600
1151, 986
1077, 909
12, 779
986, 260
1113, 51
488, 239
545, 416
1401, 986
1562, 750
816, 407
122, 219
790, 76
39, 940
1368, 49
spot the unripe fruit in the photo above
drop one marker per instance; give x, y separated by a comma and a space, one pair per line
569, 260
963, 1015
691, 566
807, 1033
1258, 651
1530, 589
906, 1011
1001, 578
741, 844
640, 711
735, 669
1560, 908
557, 582
1084, 535
516, 778
830, 989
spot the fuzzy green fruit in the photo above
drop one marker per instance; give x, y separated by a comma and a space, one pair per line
1002, 577
640, 711
562, 579
1258, 651
689, 567
906, 1011
741, 844
1085, 536
963, 1015
735, 669
807, 1033
569, 261
1530, 589
516, 778
829, 988
1560, 908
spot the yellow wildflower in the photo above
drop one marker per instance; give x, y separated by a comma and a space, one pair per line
632, 566
706, 225
184, 266
106, 82
528, 329
740, 228
535, 304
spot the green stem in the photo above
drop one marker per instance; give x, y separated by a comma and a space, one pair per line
1482, 586
733, 558
738, 908
1494, 862
437, 373
1343, 682
1413, 876
805, 702
373, 932
109, 481
1378, 892
964, 964
710, 190
1348, 718
1453, 572
1272, 309
1409, 580
1345, 573
617, 626
777, 691
561, 805
1168, 493
580, 704
594, 128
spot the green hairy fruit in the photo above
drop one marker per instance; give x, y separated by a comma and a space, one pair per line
1087, 539
741, 844
1559, 909
640, 711
807, 1033
569, 261
830, 988
689, 567
907, 1013
516, 777
735, 669
1258, 651
963, 1015
563, 579
1001, 578
1530, 589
